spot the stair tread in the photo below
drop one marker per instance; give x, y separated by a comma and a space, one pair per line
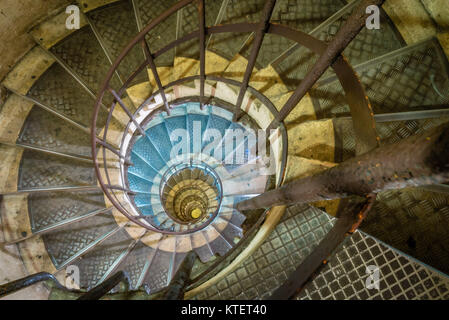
228, 45
43, 129
296, 15
84, 55
46, 210
46, 171
367, 45
64, 244
163, 33
98, 262
116, 25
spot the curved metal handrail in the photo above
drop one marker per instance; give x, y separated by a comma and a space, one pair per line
94, 294
364, 125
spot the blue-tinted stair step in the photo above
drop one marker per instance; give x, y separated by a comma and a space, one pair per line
175, 123
146, 150
145, 199
141, 168
196, 125
158, 135
215, 123
138, 184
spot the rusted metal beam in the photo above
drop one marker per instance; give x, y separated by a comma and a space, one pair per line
353, 210
128, 113
416, 161
258, 40
181, 279
150, 61
344, 36
202, 27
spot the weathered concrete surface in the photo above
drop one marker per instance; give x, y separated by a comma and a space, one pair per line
88, 5
12, 268
439, 11
16, 18
411, 19
54, 29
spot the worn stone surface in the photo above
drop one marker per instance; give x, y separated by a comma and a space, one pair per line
14, 214
304, 110
53, 30
411, 19
12, 268
186, 67
268, 82
28, 71
16, 18
215, 64
35, 256
236, 68
165, 74
88, 5
10, 158
439, 11
313, 140
12, 117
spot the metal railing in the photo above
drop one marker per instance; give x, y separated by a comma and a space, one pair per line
94, 294
329, 56
356, 99
175, 290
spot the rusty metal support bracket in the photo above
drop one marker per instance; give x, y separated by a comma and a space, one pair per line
202, 37
416, 161
344, 36
258, 40
346, 224
150, 61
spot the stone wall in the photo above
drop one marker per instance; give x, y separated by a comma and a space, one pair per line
16, 18
418, 20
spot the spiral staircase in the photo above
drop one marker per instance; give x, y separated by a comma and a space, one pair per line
143, 91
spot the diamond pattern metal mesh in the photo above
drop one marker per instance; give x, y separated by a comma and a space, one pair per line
57, 89
367, 45
97, 262
48, 209
117, 27
212, 8
188, 23
303, 15
229, 44
157, 277
45, 130
134, 263
345, 275
82, 52
404, 82
330, 100
412, 79
392, 132
40, 170
293, 239
66, 242
163, 33
414, 221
